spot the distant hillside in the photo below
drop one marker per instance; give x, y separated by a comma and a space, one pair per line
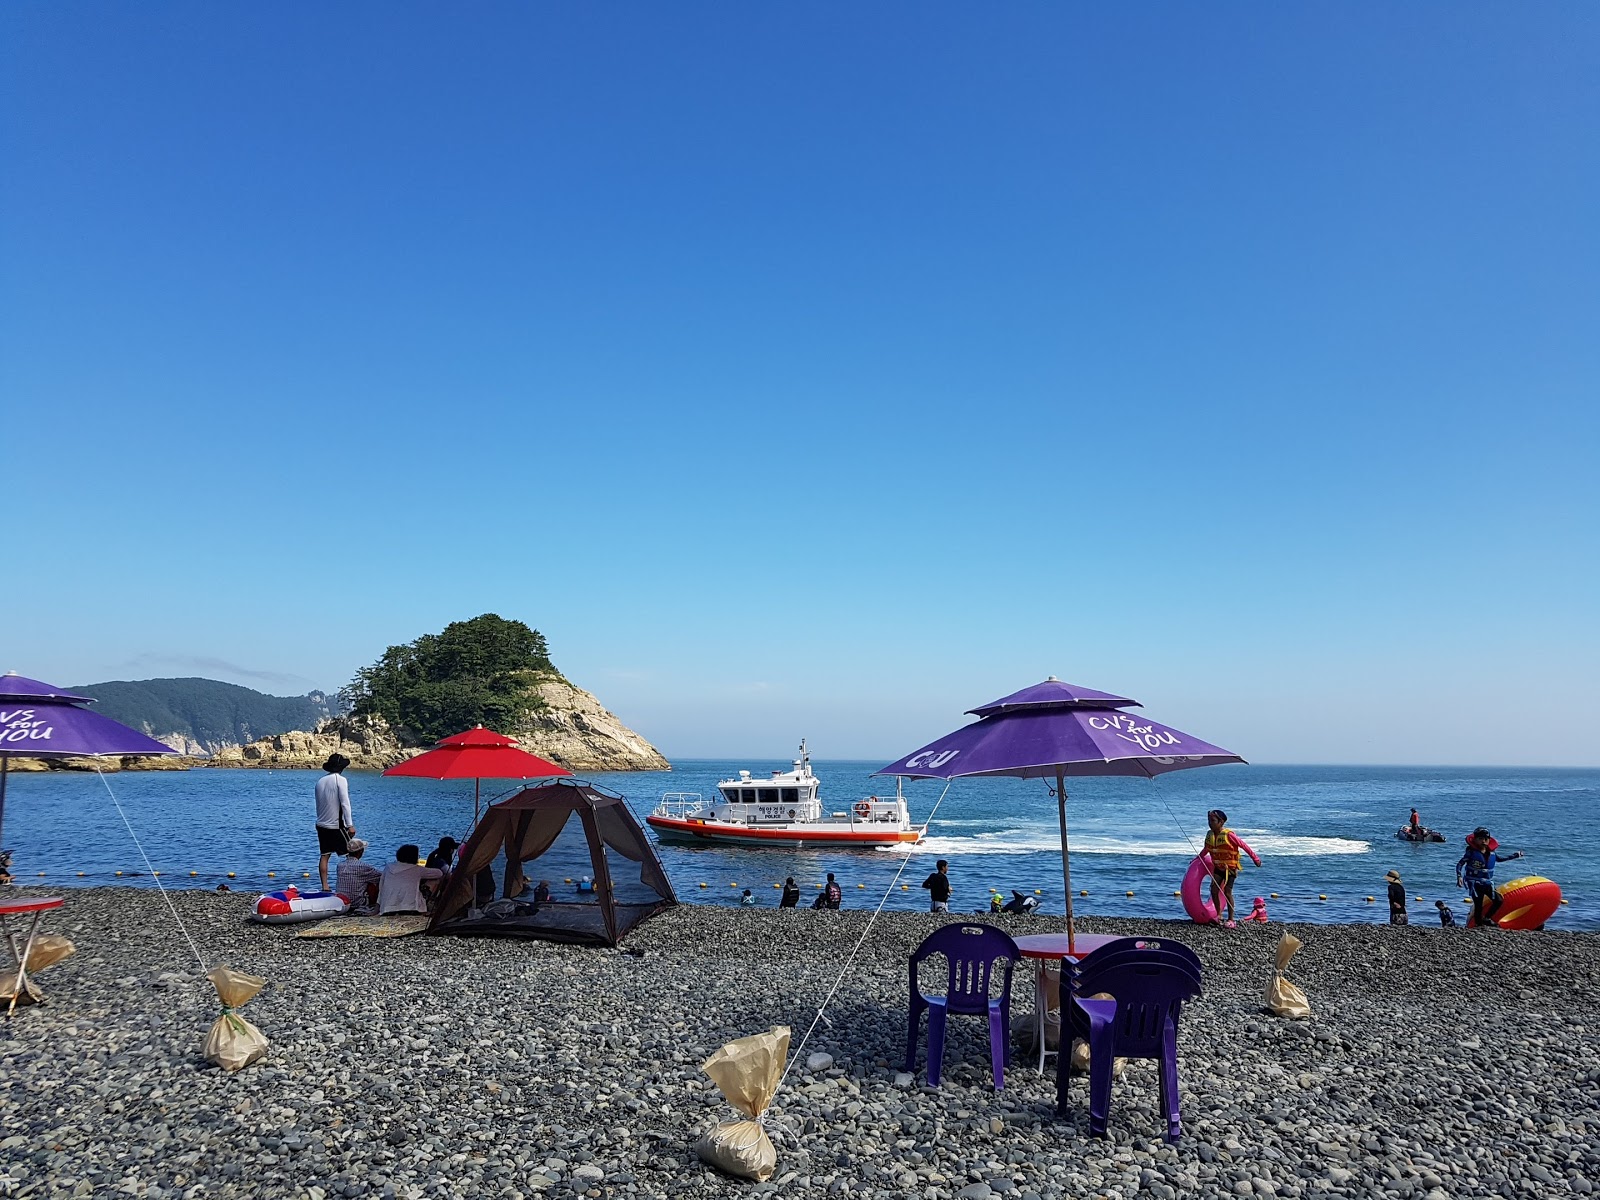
202, 716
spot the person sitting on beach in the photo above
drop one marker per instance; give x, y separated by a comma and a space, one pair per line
996, 904
358, 881
833, 893
1224, 845
1475, 872
1447, 919
1397, 900
443, 856
1258, 911
541, 894
791, 894
403, 886
748, 900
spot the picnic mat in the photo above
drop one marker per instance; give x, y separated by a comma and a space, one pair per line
384, 927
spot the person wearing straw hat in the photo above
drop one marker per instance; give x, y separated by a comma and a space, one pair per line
1397, 900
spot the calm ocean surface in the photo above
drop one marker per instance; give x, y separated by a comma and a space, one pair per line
1318, 829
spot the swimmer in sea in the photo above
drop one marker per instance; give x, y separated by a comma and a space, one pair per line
1223, 845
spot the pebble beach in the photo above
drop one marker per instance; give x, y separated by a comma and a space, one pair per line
1437, 1064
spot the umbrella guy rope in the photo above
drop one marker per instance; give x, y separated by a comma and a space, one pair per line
794, 1055
151, 867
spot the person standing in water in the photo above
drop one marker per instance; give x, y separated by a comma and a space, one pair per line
791, 894
1223, 845
335, 825
938, 885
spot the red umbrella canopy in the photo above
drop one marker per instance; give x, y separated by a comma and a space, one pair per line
477, 754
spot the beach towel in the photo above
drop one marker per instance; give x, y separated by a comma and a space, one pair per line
747, 1072
46, 951
1284, 999
233, 1042
376, 927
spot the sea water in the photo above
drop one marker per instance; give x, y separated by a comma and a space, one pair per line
1320, 831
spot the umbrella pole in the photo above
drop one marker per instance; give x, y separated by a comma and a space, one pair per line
1066, 865
476, 785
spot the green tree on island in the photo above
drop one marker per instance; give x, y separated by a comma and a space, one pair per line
477, 672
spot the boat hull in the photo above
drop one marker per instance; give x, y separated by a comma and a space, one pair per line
693, 831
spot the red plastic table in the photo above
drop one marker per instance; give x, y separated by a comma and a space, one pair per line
23, 906
1045, 948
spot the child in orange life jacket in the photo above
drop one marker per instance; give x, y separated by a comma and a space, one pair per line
1223, 845
1258, 911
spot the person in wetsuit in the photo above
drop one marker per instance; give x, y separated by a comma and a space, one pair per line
1223, 845
1475, 872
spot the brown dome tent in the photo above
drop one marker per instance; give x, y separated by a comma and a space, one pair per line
604, 845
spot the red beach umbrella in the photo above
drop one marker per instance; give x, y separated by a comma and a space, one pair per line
477, 754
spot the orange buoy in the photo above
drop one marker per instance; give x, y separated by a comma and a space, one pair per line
1323, 897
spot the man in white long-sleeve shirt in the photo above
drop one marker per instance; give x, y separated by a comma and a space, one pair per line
335, 825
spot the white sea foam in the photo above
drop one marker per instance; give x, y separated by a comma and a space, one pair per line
1045, 840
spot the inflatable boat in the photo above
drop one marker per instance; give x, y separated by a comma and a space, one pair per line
291, 906
1410, 833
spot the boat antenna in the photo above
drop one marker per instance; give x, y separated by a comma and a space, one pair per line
804, 764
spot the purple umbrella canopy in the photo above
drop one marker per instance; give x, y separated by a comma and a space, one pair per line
1059, 729
40, 721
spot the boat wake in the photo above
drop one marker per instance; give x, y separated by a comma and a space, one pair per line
1046, 841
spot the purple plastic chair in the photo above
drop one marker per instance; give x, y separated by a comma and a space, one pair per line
1149, 987
972, 951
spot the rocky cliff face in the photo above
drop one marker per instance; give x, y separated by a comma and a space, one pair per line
164, 762
367, 742
573, 729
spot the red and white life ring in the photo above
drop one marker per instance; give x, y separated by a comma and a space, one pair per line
291, 906
863, 809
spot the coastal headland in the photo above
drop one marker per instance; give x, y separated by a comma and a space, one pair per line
1436, 1065
485, 671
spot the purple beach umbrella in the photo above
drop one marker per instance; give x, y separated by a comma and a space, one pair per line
40, 721
1058, 729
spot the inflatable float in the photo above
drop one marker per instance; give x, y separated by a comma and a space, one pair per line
1409, 833
291, 906
1526, 903
1196, 897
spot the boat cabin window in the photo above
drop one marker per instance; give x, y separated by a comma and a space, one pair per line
769, 795
732, 794
791, 795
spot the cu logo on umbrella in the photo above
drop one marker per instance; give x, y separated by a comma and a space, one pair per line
931, 759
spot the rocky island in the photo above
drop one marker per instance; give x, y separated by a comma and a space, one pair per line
570, 727
486, 671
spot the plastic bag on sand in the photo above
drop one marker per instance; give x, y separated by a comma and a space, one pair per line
45, 952
1284, 999
747, 1072
233, 1042
1024, 1025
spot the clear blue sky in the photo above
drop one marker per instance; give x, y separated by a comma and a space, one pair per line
821, 369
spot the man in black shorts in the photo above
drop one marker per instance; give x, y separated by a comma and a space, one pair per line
335, 826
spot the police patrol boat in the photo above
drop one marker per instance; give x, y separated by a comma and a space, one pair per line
782, 810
